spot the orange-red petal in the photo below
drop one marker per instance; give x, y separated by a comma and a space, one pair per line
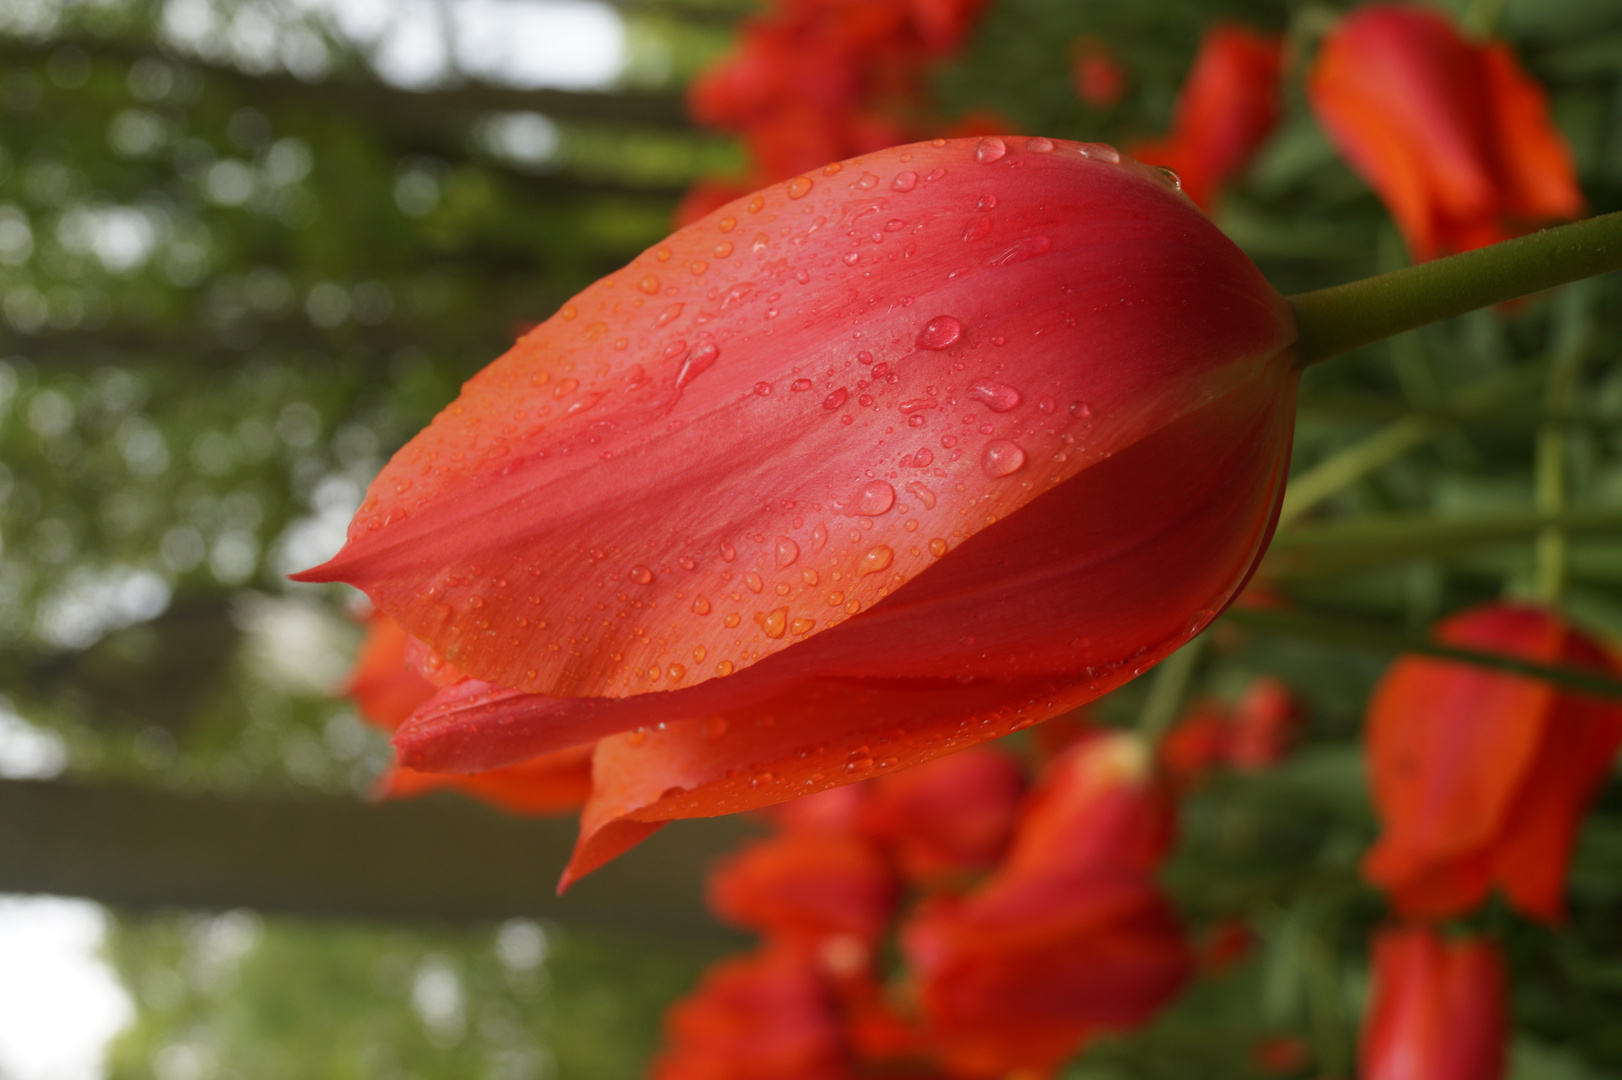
1438, 1010
549, 784
807, 885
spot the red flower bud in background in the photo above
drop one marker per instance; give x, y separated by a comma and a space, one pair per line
1227, 109
1098, 77
1480, 777
808, 886
1454, 137
950, 818
1437, 1010
1263, 725
873, 466
767, 1016
389, 683
1070, 936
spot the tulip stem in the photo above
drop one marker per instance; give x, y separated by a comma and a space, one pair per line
1167, 691
1341, 318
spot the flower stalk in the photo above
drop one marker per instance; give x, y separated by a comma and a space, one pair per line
1341, 318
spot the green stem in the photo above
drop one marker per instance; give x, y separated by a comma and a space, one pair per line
1346, 317
1166, 693
1549, 472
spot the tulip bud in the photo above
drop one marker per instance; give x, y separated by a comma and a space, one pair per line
1438, 1009
1070, 937
1228, 107
873, 465
808, 886
1481, 777
1455, 137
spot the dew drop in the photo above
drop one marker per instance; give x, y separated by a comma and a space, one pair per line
875, 498
835, 399
753, 581
697, 363
819, 537
894, 225
851, 258
923, 494
728, 224
728, 552
787, 551
775, 622
1100, 152
905, 181
1046, 405
801, 626
641, 575
875, 561
800, 385
809, 576
986, 202
569, 311
725, 668
1001, 458
1171, 178
996, 396
676, 673
868, 182
923, 457
763, 388
699, 653
649, 284
1039, 145
975, 228
723, 249
667, 315
937, 547
701, 606
731, 619
936, 174
941, 332
990, 149
799, 187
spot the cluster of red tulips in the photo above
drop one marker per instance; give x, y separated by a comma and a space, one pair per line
924, 447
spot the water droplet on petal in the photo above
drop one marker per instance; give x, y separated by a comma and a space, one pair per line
728, 552
641, 575
800, 385
801, 626
986, 202
975, 228
701, 606
1046, 405
774, 622
649, 284
1001, 458
894, 225
799, 187
998, 397
763, 388
990, 149
728, 224
725, 668
875, 561
851, 257
787, 551
875, 498
1171, 177
1039, 145
753, 581
676, 673
697, 363
1100, 152
835, 399
923, 494
868, 182
923, 457
937, 547
1020, 250
905, 182
941, 332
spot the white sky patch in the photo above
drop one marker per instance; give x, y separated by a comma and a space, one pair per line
60, 1003
27, 753
92, 602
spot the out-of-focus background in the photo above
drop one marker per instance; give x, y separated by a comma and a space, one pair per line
248, 247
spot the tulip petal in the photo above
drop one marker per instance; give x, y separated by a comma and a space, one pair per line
549, 784
807, 886
1090, 583
668, 479
1438, 1009
1536, 162
1450, 748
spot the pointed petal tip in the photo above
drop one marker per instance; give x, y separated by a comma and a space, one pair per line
329, 571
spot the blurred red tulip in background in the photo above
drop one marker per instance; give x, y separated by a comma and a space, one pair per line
1455, 137
873, 466
1228, 107
1098, 77
1481, 777
766, 1016
949, 818
807, 886
1070, 936
1437, 1010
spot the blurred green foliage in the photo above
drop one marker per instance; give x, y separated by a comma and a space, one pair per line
231, 285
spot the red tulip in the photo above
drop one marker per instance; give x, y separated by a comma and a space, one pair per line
807, 886
949, 818
1438, 1010
1455, 137
389, 683
1196, 744
1263, 725
1229, 106
1098, 78
761, 1017
1069, 937
926, 448
1481, 778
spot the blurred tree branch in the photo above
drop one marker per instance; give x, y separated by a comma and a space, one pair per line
439, 858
